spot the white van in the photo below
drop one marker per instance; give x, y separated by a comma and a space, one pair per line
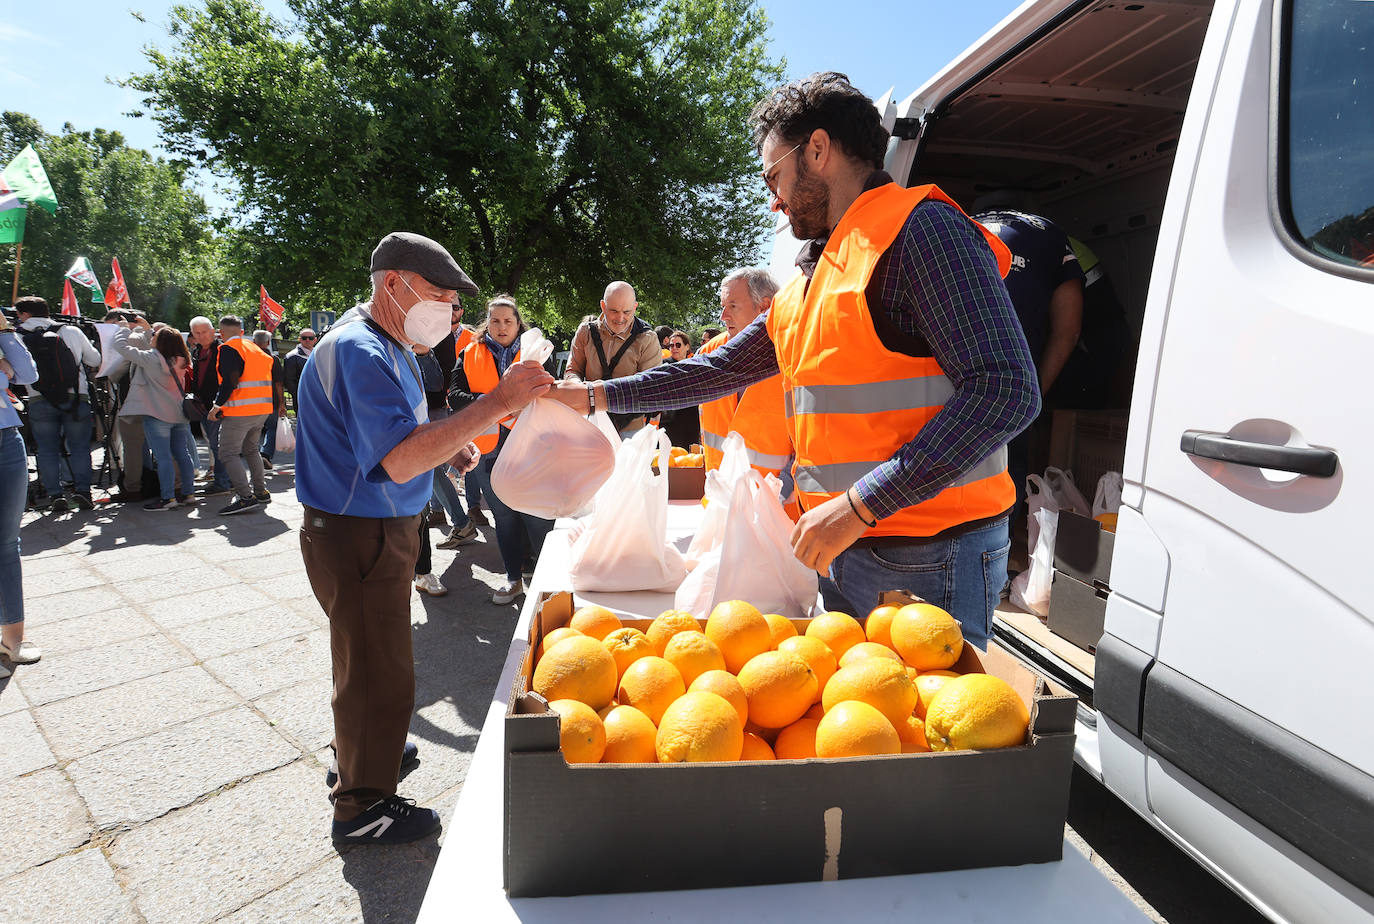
1219, 159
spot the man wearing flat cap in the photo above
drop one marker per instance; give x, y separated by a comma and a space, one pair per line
365, 455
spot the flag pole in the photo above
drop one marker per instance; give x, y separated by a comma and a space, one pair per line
18, 253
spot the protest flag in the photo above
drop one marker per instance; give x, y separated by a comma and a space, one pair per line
26, 178
69, 299
269, 311
82, 274
116, 293
12, 215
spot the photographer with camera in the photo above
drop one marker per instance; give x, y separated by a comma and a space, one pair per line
59, 410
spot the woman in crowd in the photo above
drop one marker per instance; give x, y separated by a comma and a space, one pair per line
683, 425
16, 368
432, 375
495, 346
157, 383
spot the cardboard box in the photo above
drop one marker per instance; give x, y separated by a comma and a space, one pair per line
687, 483
1078, 611
1083, 549
585, 829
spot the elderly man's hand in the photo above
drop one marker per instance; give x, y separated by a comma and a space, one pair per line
466, 459
522, 383
824, 532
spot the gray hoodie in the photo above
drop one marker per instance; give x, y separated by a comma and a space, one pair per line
152, 390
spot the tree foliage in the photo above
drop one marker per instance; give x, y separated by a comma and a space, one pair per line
552, 146
116, 201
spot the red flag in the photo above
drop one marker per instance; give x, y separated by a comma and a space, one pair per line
69, 299
269, 311
117, 293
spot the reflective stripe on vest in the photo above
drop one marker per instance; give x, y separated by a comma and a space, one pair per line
480, 368
852, 403
757, 459
253, 394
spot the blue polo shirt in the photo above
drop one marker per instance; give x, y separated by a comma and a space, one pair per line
360, 395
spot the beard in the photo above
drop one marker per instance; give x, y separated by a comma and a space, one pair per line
808, 208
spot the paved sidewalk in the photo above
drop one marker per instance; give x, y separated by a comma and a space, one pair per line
165, 761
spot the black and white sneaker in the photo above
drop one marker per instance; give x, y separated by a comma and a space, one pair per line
410, 758
392, 820
239, 505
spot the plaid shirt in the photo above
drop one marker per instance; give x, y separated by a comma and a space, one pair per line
937, 283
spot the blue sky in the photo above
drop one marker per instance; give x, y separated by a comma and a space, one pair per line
57, 59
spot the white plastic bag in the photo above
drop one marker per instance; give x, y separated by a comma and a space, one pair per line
553, 461
1066, 493
720, 488
754, 560
286, 438
623, 545
1108, 496
1030, 590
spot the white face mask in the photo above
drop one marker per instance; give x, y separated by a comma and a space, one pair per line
427, 321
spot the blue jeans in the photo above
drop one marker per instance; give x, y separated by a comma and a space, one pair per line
515, 531
52, 429
445, 494
221, 478
172, 446
964, 575
14, 489
269, 437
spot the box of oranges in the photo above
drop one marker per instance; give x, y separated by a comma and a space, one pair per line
686, 473
669, 752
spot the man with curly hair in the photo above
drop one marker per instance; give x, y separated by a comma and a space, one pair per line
904, 368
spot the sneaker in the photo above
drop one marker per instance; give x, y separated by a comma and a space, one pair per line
461, 535
55, 504
125, 497
392, 820
239, 505
26, 652
430, 584
160, 504
264, 497
507, 592
186, 500
266, 462
410, 757
82, 500
211, 489
5, 672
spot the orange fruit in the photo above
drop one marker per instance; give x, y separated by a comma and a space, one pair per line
853, 729
727, 686
780, 686
755, 748
667, 625
630, 737
606, 710
576, 668
912, 733
596, 621
869, 650
878, 625
556, 636
693, 654
797, 741
739, 631
927, 685
839, 631
815, 712
627, 646
677, 452
779, 628
926, 636
650, 685
769, 735
699, 726
581, 735
879, 682
815, 653
976, 711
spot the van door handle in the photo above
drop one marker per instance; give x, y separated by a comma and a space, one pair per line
1300, 460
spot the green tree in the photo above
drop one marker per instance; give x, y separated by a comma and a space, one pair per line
117, 201
552, 146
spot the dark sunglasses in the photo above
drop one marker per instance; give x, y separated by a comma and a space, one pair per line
306, 337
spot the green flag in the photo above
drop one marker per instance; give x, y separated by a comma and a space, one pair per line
12, 223
26, 178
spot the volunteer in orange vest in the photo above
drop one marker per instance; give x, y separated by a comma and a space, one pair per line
242, 405
756, 413
904, 369
495, 346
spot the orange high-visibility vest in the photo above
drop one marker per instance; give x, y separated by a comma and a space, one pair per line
463, 338
758, 417
254, 392
852, 403
480, 368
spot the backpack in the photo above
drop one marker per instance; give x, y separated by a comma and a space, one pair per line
57, 367
637, 327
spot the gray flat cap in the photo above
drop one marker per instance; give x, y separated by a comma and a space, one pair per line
404, 250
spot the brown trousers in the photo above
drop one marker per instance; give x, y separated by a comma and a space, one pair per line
361, 570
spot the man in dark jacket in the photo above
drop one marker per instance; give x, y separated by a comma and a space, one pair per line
204, 359
294, 363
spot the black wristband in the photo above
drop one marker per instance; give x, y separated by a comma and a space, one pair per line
850, 497
591, 399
